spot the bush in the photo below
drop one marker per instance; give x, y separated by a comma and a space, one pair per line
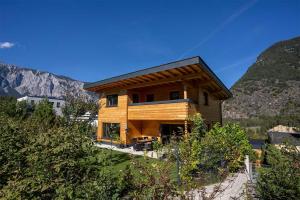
222, 148
43, 157
281, 180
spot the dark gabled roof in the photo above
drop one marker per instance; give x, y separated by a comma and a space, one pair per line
168, 66
282, 137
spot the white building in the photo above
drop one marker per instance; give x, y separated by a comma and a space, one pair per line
56, 102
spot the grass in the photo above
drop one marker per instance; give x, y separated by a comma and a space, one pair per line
121, 160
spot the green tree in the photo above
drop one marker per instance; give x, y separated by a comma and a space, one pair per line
79, 106
12, 141
44, 115
281, 180
222, 148
8, 105
60, 163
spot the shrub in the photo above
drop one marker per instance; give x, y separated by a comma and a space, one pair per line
281, 180
222, 148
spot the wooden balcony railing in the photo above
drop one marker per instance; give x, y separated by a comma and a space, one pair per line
161, 110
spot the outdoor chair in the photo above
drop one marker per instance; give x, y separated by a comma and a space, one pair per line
134, 140
138, 147
148, 146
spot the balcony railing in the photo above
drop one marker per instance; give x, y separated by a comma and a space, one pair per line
161, 110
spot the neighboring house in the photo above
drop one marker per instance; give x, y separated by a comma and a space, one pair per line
56, 102
93, 120
280, 138
157, 101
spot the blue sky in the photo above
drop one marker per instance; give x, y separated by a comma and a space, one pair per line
93, 40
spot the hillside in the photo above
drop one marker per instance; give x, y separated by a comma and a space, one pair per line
271, 86
18, 81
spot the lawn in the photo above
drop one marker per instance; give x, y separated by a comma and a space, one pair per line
120, 160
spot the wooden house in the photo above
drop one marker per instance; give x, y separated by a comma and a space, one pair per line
157, 101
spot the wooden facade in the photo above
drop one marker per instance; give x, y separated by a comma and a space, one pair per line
140, 103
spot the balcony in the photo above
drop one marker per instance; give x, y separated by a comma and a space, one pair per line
162, 110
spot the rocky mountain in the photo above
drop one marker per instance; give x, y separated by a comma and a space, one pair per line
18, 81
271, 86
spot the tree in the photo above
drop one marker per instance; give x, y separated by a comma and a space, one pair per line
8, 105
79, 106
12, 140
281, 180
43, 114
221, 148
58, 163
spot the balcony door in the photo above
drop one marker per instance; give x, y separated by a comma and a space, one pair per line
169, 130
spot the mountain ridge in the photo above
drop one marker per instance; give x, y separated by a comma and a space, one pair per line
271, 85
20, 81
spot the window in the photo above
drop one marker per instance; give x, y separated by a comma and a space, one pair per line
58, 105
205, 94
149, 97
32, 102
135, 98
111, 131
112, 100
174, 95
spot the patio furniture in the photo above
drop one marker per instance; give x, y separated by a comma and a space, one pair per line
134, 140
148, 146
138, 146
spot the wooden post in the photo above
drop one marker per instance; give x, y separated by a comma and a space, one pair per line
185, 91
185, 128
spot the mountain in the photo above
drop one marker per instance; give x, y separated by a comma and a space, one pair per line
271, 86
18, 81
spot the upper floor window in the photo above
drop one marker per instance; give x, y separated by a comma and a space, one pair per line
135, 98
174, 95
149, 97
58, 105
112, 100
205, 94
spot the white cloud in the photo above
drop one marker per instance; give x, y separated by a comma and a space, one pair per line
219, 28
6, 45
238, 63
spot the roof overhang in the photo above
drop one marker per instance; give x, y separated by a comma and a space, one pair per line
191, 69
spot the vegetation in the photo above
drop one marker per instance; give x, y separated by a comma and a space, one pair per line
219, 151
44, 156
281, 180
256, 128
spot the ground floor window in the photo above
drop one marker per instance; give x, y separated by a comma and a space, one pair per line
111, 130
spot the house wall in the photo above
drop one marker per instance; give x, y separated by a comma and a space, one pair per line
58, 110
161, 93
116, 114
212, 112
139, 121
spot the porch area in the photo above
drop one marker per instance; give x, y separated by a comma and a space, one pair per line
145, 132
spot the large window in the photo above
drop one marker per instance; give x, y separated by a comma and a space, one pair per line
135, 98
58, 105
149, 97
111, 130
112, 100
205, 94
174, 95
